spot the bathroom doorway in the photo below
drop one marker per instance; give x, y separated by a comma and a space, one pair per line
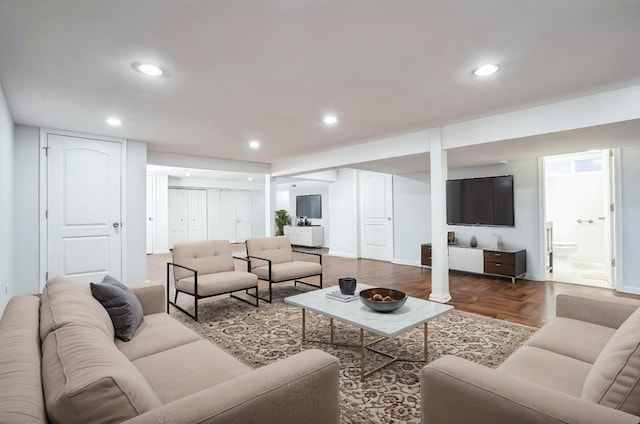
579, 219
578, 209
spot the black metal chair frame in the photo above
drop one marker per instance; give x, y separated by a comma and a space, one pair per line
195, 295
295, 280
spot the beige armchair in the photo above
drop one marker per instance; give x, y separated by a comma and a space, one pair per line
207, 268
581, 367
271, 259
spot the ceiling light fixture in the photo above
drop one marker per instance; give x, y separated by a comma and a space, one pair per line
114, 122
149, 69
254, 144
250, 178
330, 120
486, 70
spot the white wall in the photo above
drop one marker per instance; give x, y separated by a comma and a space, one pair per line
343, 213
6, 193
411, 216
136, 212
630, 211
26, 209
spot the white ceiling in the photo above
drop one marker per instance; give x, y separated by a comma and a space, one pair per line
271, 69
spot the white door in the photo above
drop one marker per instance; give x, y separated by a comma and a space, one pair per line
197, 215
243, 216
83, 205
608, 217
228, 215
177, 216
376, 214
150, 215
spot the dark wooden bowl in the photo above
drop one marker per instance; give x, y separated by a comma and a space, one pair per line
399, 299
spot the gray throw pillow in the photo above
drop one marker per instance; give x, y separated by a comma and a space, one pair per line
123, 306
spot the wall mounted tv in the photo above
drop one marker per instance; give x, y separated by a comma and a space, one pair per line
480, 201
309, 205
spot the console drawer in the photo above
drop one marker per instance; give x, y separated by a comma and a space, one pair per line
499, 257
425, 254
499, 268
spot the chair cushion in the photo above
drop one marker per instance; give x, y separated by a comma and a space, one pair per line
121, 304
218, 283
614, 380
288, 271
548, 369
87, 379
21, 399
187, 369
207, 257
157, 333
64, 301
276, 249
574, 338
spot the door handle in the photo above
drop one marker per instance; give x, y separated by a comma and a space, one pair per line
116, 225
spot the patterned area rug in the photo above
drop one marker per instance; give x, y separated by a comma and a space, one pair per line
259, 336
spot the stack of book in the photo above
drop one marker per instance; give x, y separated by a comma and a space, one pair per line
336, 295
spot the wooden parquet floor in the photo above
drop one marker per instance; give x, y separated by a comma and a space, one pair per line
525, 302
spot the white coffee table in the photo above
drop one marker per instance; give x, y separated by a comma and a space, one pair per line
413, 313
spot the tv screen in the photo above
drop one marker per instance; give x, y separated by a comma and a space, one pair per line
309, 205
480, 201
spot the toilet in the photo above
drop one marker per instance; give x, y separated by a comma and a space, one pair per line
562, 250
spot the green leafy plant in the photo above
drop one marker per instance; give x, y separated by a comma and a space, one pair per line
282, 219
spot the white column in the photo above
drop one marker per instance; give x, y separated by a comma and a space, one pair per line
269, 205
439, 249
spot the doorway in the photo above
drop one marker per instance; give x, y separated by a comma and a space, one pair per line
376, 214
81, 196
579, 218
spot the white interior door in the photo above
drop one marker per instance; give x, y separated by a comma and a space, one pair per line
83, 205
197, 213
150, 213
243, 216
228, 215
376, 216
177, 216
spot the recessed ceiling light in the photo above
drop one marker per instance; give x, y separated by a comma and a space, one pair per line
250, 178
504, 162
330, 120
486, 70
254, 144
149, 69
114, 122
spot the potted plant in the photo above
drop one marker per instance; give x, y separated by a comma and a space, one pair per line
282, 219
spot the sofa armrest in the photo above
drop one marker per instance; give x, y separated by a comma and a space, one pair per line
606, 311
302, 388
455, 390
151, 297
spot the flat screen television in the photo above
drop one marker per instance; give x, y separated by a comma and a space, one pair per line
309, 205
480, 201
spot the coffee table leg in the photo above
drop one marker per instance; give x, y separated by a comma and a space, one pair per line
331, 321
361, 354
304, 316
426, 332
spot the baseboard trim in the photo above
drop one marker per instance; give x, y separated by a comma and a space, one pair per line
405, 262
342, 254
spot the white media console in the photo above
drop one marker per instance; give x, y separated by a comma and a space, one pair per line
503, 263
309, 235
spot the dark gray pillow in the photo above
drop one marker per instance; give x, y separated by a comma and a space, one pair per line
123, 306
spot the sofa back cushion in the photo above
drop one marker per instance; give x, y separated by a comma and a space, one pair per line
21, 399
87, 379
614, 379
207, 257
64, 301
276, 249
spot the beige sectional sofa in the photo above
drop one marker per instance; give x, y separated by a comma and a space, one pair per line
60, 363
581, 367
